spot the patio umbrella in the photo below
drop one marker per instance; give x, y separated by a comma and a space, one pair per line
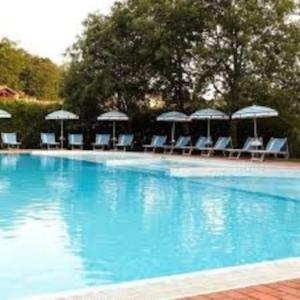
208, 114
4, 114
113, 116
174, 117
255, 112
61, 115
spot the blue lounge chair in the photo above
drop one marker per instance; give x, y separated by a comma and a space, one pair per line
275, 147
124, 141
10, 140
75, 140
157, 142
181, 144
221, 145
203, 142
250, 144
101, 141
48, 140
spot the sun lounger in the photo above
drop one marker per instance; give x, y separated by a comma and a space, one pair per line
48, 140
276, 147
10, 140
101, 141
157, 142
221, 145
75, 140
125, 141
181, 144
250, 144
202, 142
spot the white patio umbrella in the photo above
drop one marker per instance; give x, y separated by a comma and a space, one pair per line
4, 114
255, 112
113, 116
174, 117
61, 115
208, 114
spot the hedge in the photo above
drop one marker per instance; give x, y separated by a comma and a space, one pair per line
28, 120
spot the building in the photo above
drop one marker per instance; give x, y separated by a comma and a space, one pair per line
6, 92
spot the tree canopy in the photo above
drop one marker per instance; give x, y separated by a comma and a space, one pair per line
240, 52
35, 76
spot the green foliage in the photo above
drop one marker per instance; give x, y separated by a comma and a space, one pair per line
243, 52
28, 120
35, 76
40, 78
12, 62
250, 48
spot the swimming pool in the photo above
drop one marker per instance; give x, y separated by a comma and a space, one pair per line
69, 224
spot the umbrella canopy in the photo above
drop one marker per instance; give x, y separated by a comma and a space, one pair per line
208, 114
113, 116
173, 116
61, 115
4, 114
254, 112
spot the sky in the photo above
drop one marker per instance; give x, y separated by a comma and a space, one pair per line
47, 27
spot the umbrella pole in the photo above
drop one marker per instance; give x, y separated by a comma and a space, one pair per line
208, 128
61, 134
173, 133
255, 129
114, 134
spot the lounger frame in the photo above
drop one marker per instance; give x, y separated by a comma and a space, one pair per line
13, 143
48, 144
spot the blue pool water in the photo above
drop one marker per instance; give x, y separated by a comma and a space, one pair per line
71, 224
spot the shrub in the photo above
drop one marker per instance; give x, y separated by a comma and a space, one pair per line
28, 120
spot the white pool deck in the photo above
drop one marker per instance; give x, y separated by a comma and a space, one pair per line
191, 284
184, 166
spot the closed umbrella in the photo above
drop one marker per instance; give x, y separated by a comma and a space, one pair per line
209, 114
4, 114
113, 116
62, 115
255, 112
174, 117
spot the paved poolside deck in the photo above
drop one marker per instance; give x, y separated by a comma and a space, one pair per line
285, 290
209, 284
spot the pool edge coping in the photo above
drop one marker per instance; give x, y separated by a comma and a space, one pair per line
187, 284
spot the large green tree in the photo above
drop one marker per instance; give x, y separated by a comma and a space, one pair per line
174, 29
251, 49
243, 52
144, 47
107, 67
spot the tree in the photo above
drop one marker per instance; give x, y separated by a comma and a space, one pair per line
12, 62
175, 27
37, 77
143, 47
249, 45
107, 63
40, 78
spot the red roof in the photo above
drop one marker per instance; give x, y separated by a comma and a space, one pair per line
6, 92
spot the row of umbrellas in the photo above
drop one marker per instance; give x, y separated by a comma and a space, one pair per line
251, 112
